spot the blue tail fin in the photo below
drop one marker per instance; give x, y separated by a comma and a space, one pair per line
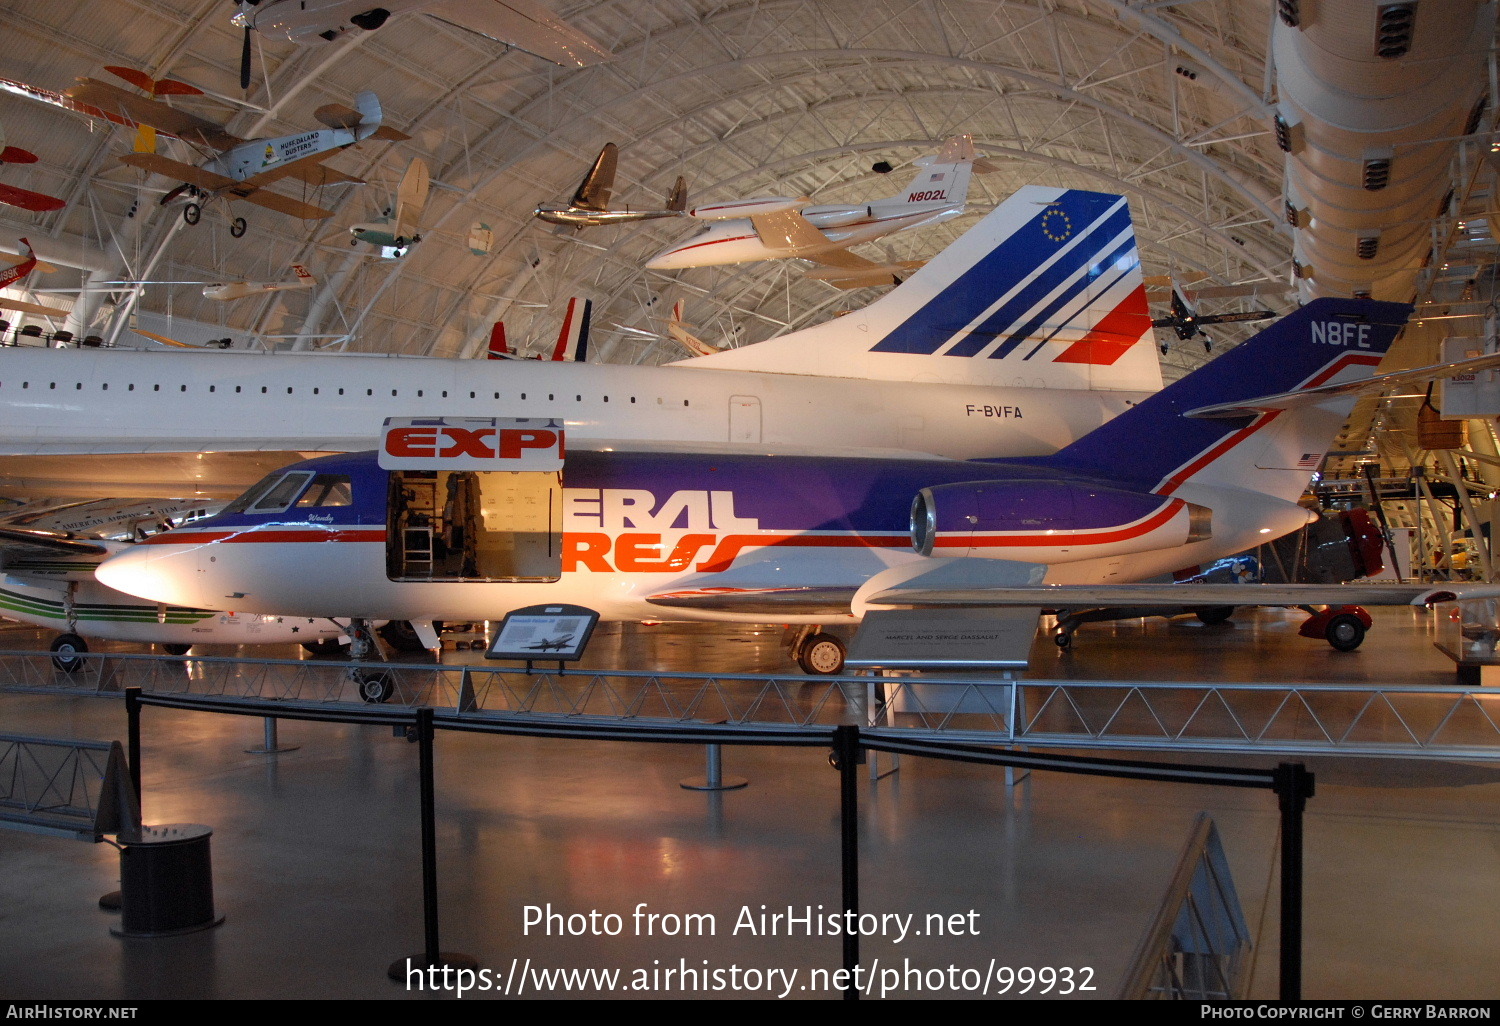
1273, 452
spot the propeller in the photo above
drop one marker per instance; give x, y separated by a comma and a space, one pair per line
245, 60
1187, 324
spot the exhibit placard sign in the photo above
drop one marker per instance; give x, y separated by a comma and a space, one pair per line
555, 631
926, 639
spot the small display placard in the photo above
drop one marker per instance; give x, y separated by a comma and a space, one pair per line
899, 639
554, 631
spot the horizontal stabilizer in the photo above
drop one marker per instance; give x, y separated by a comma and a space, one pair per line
1367, 386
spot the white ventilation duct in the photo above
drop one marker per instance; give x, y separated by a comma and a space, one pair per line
1372, 97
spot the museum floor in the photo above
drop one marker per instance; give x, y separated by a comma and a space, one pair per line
316, 851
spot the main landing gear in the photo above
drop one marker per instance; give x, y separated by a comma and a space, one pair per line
817, 653
66, 652
1343, 627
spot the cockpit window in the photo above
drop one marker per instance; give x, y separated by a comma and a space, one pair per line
254, 492
280, 495
327, 490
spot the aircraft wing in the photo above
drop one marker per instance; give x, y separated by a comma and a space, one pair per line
32, 308
16, 541
794, 235
1366, 386
151, 474
182, 172
151, 112
1089, 596
28, 200
317, 175
284, 204
847, 270
526, 25
772, 601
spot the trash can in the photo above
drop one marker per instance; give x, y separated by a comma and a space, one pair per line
166, 882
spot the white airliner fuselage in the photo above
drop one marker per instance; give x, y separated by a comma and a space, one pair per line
92, 401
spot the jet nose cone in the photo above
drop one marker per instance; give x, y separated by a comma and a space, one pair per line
145, 572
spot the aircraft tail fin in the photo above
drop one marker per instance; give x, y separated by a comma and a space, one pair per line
680, 330
1044, 291
303, 274
573, 339
370, 114
599, 184
498, 349
677, 198
1272, 451
944, 176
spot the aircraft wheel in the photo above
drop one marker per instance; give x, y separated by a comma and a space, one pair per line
376, 686
237, 227
1063, 640
191, 213
821, 655
1215, 616
1345, 632
177, 649
65, 648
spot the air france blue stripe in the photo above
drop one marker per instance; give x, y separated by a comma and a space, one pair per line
968, 298
1007, 317
1098, 293
1070, 303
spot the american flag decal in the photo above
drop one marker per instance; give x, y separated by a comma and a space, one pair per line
939, 176
1310, 461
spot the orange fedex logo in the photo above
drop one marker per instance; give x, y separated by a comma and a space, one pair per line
471, 443
629, 530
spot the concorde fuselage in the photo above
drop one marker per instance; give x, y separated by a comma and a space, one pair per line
119, 401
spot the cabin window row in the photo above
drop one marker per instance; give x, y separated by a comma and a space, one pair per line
104, 387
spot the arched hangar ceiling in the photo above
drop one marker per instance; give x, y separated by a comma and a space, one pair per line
1170, 103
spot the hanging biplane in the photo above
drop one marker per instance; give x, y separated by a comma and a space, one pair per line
244, 168
15, 196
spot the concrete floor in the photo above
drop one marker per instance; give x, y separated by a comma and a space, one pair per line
316, 852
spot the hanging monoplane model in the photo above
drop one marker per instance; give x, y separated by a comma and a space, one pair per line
590, 207
224, 291
398, 229
243, 169
780, 227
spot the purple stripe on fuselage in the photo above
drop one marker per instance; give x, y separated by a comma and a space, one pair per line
780, 493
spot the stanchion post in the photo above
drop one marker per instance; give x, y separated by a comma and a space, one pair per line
846, 757
429, 834
1294, 785
133, 741
433, 957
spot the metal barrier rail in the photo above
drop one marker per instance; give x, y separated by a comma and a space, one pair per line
63, 786
1198, 946
1450, 722
1290, 782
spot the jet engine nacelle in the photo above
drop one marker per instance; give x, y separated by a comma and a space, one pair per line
1050, 521
748, 208
836, 217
